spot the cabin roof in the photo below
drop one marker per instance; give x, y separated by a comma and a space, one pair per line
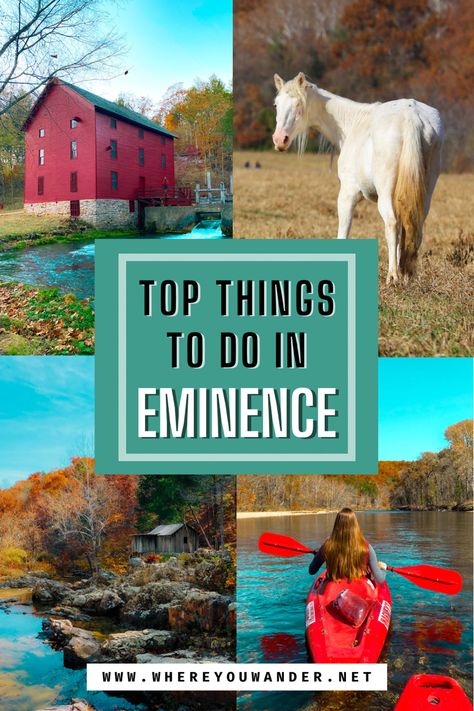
102, 104
167, 529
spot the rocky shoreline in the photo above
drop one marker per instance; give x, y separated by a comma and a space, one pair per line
463, 506
173, 611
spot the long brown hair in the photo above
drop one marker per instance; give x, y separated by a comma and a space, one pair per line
345, 551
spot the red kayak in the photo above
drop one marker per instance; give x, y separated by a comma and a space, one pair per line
347, 622
425, 691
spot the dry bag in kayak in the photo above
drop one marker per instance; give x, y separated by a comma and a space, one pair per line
351, 607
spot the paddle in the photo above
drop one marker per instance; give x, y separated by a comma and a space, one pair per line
284, 546
428, 577
431, 578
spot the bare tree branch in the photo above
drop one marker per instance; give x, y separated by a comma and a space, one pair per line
43, 39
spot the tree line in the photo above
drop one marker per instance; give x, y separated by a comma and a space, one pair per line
435, 480
442, 479
294, 492
367, 50
71, 520
12, 153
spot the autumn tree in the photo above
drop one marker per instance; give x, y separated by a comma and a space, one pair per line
382, 43
368, 50
285, 37
82, 513
442, 479
201, 118
214, 511
460, 435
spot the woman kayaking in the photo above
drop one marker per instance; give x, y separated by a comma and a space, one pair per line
347, 553
349, 606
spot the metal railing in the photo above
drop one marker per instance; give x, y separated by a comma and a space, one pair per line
170, 196
206, 195
210, 196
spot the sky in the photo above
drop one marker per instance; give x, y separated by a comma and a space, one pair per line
46, 413
168, 43
47, 405
418, 399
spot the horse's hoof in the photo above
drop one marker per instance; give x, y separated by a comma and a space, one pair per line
391, 279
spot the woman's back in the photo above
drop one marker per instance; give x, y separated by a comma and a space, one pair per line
346, 552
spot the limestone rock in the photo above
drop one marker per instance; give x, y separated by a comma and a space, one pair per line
464, 506
46, 591
80, 649
136, 563
125, 646
149, 606
200, 610
71, 613
179, 656
141, 618
24, 581
75, 705
95, 601
79, 646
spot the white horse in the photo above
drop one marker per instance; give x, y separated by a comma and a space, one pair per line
389, 153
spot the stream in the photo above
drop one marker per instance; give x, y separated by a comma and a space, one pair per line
70, 266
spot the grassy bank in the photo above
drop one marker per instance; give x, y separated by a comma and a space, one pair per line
292, 197
19, 230
38, 321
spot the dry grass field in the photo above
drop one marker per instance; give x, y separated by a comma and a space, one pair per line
18, 222
295, 197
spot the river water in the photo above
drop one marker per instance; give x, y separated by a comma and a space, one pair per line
430, 633
32, 673
70, 266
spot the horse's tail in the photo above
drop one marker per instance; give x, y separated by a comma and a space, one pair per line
410, 192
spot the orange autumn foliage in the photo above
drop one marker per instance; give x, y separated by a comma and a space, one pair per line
367, 50
69, 515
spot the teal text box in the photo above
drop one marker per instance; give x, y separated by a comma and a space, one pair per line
133, 351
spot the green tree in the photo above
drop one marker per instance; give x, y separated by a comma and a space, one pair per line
165, 498
12, 152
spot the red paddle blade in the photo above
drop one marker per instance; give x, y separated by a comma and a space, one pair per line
284, 546
432, 578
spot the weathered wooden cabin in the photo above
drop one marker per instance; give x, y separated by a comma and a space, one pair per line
167, 538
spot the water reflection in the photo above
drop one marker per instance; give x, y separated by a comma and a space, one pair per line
32, 674
279, 647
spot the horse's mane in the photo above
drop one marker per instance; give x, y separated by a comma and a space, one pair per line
298, 91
